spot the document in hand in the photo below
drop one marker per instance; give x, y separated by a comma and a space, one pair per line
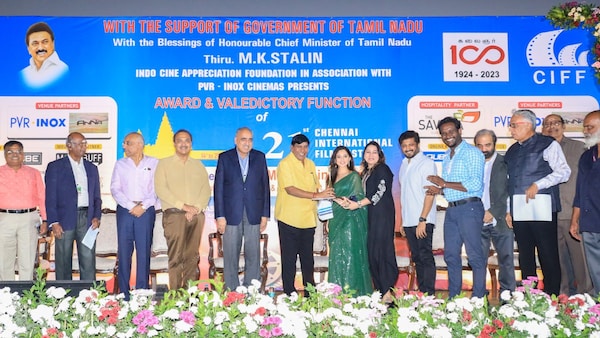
90, 237
537, 209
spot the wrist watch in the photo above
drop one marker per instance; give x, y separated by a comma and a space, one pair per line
422, 219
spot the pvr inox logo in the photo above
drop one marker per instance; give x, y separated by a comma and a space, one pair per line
26, 122
471, 54
53, 122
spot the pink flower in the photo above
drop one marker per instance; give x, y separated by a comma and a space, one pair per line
276, 331
264, 333
188, 317
144, 319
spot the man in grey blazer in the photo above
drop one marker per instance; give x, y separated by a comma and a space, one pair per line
242, 203
575, 277
495, 197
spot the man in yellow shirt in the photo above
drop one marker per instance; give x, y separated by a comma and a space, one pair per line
181, 183
296, 212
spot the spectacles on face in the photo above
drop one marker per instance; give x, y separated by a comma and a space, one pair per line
514, 125
79, 144
16, 152
552, 124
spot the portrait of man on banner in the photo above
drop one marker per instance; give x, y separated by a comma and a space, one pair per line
45, 67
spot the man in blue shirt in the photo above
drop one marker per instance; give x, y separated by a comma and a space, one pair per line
586, 205
462, 184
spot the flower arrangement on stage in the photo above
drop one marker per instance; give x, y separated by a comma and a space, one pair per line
329, 311
579, 15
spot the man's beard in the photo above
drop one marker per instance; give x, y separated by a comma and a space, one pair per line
592, 139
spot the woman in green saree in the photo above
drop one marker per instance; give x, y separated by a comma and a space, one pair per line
348, 258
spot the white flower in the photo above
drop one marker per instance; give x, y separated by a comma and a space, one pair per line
518, 295
344, 330
452, 317
220, 317
42, 314
505, 295
181, 327
111, 330
439, 332
172, 314
57, 293
64, 305
241, 289
92, 330
250, 324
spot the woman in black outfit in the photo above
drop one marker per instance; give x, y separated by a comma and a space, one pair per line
377, 182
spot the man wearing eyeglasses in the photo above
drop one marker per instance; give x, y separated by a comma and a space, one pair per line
21, 206
73, 204
132, 187
536, 166
574, 275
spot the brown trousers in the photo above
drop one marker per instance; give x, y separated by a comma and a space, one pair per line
183, 242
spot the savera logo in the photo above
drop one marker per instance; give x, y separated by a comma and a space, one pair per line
467, 116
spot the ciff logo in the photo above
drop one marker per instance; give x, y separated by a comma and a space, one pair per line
541, 52
467, 116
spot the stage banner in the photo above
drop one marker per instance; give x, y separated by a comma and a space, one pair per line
341, 81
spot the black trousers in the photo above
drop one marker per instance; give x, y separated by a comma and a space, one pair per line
295, 242
543, 237
422, 255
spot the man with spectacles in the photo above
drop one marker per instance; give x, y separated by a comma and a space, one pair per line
132, 187
181, 183
73, 204
21, 206
574, 275
536, 165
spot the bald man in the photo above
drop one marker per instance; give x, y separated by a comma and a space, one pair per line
132, 186
574, 275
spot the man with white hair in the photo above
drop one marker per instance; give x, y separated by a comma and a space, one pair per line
585, 222
536, 166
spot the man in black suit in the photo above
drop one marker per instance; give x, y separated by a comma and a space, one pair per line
73, 204
495, 196
242, 205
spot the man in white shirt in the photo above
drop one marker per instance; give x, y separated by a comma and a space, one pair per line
536, 166
418, 210
45, 66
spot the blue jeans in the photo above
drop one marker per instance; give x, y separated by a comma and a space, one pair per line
591, 248
503, 240
232, 245
463, 224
